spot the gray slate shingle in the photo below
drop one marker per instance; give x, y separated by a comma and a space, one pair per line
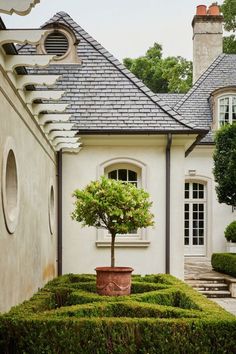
104, 95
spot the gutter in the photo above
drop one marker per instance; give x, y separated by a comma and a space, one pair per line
59, 213
168, 171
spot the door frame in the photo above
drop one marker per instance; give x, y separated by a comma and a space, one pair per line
208, 224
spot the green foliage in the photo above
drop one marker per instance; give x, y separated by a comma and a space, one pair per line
171, 74
113, 205
224, 263
228, 9
162, 315
225, 164
230, 232
229, 44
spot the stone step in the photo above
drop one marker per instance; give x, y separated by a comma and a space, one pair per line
206, 280
215, 287
215, 294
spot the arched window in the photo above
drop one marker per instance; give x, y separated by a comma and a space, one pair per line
227, 109
124, 175
127, 171
195, 208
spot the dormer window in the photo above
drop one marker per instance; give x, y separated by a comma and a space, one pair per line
61, 42
227, 110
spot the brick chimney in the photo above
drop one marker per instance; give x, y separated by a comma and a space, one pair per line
207, 38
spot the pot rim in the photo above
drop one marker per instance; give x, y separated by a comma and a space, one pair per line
114, 269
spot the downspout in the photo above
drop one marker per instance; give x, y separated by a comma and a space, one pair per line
59, 213
168, 170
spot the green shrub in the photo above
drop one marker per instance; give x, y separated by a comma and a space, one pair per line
230, 232
162, 315
224, 263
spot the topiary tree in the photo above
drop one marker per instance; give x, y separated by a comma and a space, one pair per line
113, 205
225, 164
230, 232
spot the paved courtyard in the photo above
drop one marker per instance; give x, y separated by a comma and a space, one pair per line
197, 268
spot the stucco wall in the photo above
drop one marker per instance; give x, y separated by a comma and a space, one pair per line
28, 256
80, 253
218, 215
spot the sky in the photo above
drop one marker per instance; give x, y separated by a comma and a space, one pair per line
127, 28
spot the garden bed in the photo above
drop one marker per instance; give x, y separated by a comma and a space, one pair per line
161, 315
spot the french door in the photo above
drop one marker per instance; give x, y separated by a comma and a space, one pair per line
195, 227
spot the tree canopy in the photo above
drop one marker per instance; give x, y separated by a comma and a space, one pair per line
171, 74
113, 205
228, 9
225, 164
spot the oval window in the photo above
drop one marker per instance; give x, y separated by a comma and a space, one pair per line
56, 43
10, 188
51, 209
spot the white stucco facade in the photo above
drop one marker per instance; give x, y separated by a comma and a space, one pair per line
28, 254
199, 168
83, 248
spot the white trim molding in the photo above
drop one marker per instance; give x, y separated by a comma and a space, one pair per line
19, 7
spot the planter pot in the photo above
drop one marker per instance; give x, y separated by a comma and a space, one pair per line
231, 247
113, 281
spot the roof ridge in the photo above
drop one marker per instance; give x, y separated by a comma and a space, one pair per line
200, 80
138, 83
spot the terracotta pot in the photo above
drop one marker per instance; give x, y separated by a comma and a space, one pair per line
201, 10
214, 10
114, 281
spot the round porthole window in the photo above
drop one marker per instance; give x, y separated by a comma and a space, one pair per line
56, 43
10, 188
51, 209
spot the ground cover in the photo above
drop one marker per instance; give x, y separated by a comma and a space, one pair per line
161, 315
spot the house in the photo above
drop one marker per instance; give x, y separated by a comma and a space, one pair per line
106, 122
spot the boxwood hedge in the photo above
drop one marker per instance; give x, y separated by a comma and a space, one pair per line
161, 315
224, 263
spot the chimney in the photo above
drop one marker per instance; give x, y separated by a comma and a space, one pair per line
207, 38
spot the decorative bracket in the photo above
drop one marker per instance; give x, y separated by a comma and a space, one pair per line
48, 107
57, 126
41, 80
21, 36
46, 118
43, 95
14, 61
20, 7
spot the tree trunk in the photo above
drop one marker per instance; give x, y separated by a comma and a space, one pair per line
113, 250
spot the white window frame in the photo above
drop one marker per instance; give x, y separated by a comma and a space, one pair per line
138, 239
230, 97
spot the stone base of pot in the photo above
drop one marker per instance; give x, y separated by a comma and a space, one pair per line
113, 281
231, 247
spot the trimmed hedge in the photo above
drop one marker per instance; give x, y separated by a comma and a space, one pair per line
161, 315
224, 263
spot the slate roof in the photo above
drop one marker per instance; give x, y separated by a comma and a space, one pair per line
195, 105
105, 96
170, 98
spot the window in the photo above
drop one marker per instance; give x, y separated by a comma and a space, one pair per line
10, 187
128, 172
195, 217
56, 43
61, 42
227, 110
124, 175
51, 209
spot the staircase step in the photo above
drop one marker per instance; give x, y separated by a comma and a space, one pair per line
205, 280
215, 294
219, 286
